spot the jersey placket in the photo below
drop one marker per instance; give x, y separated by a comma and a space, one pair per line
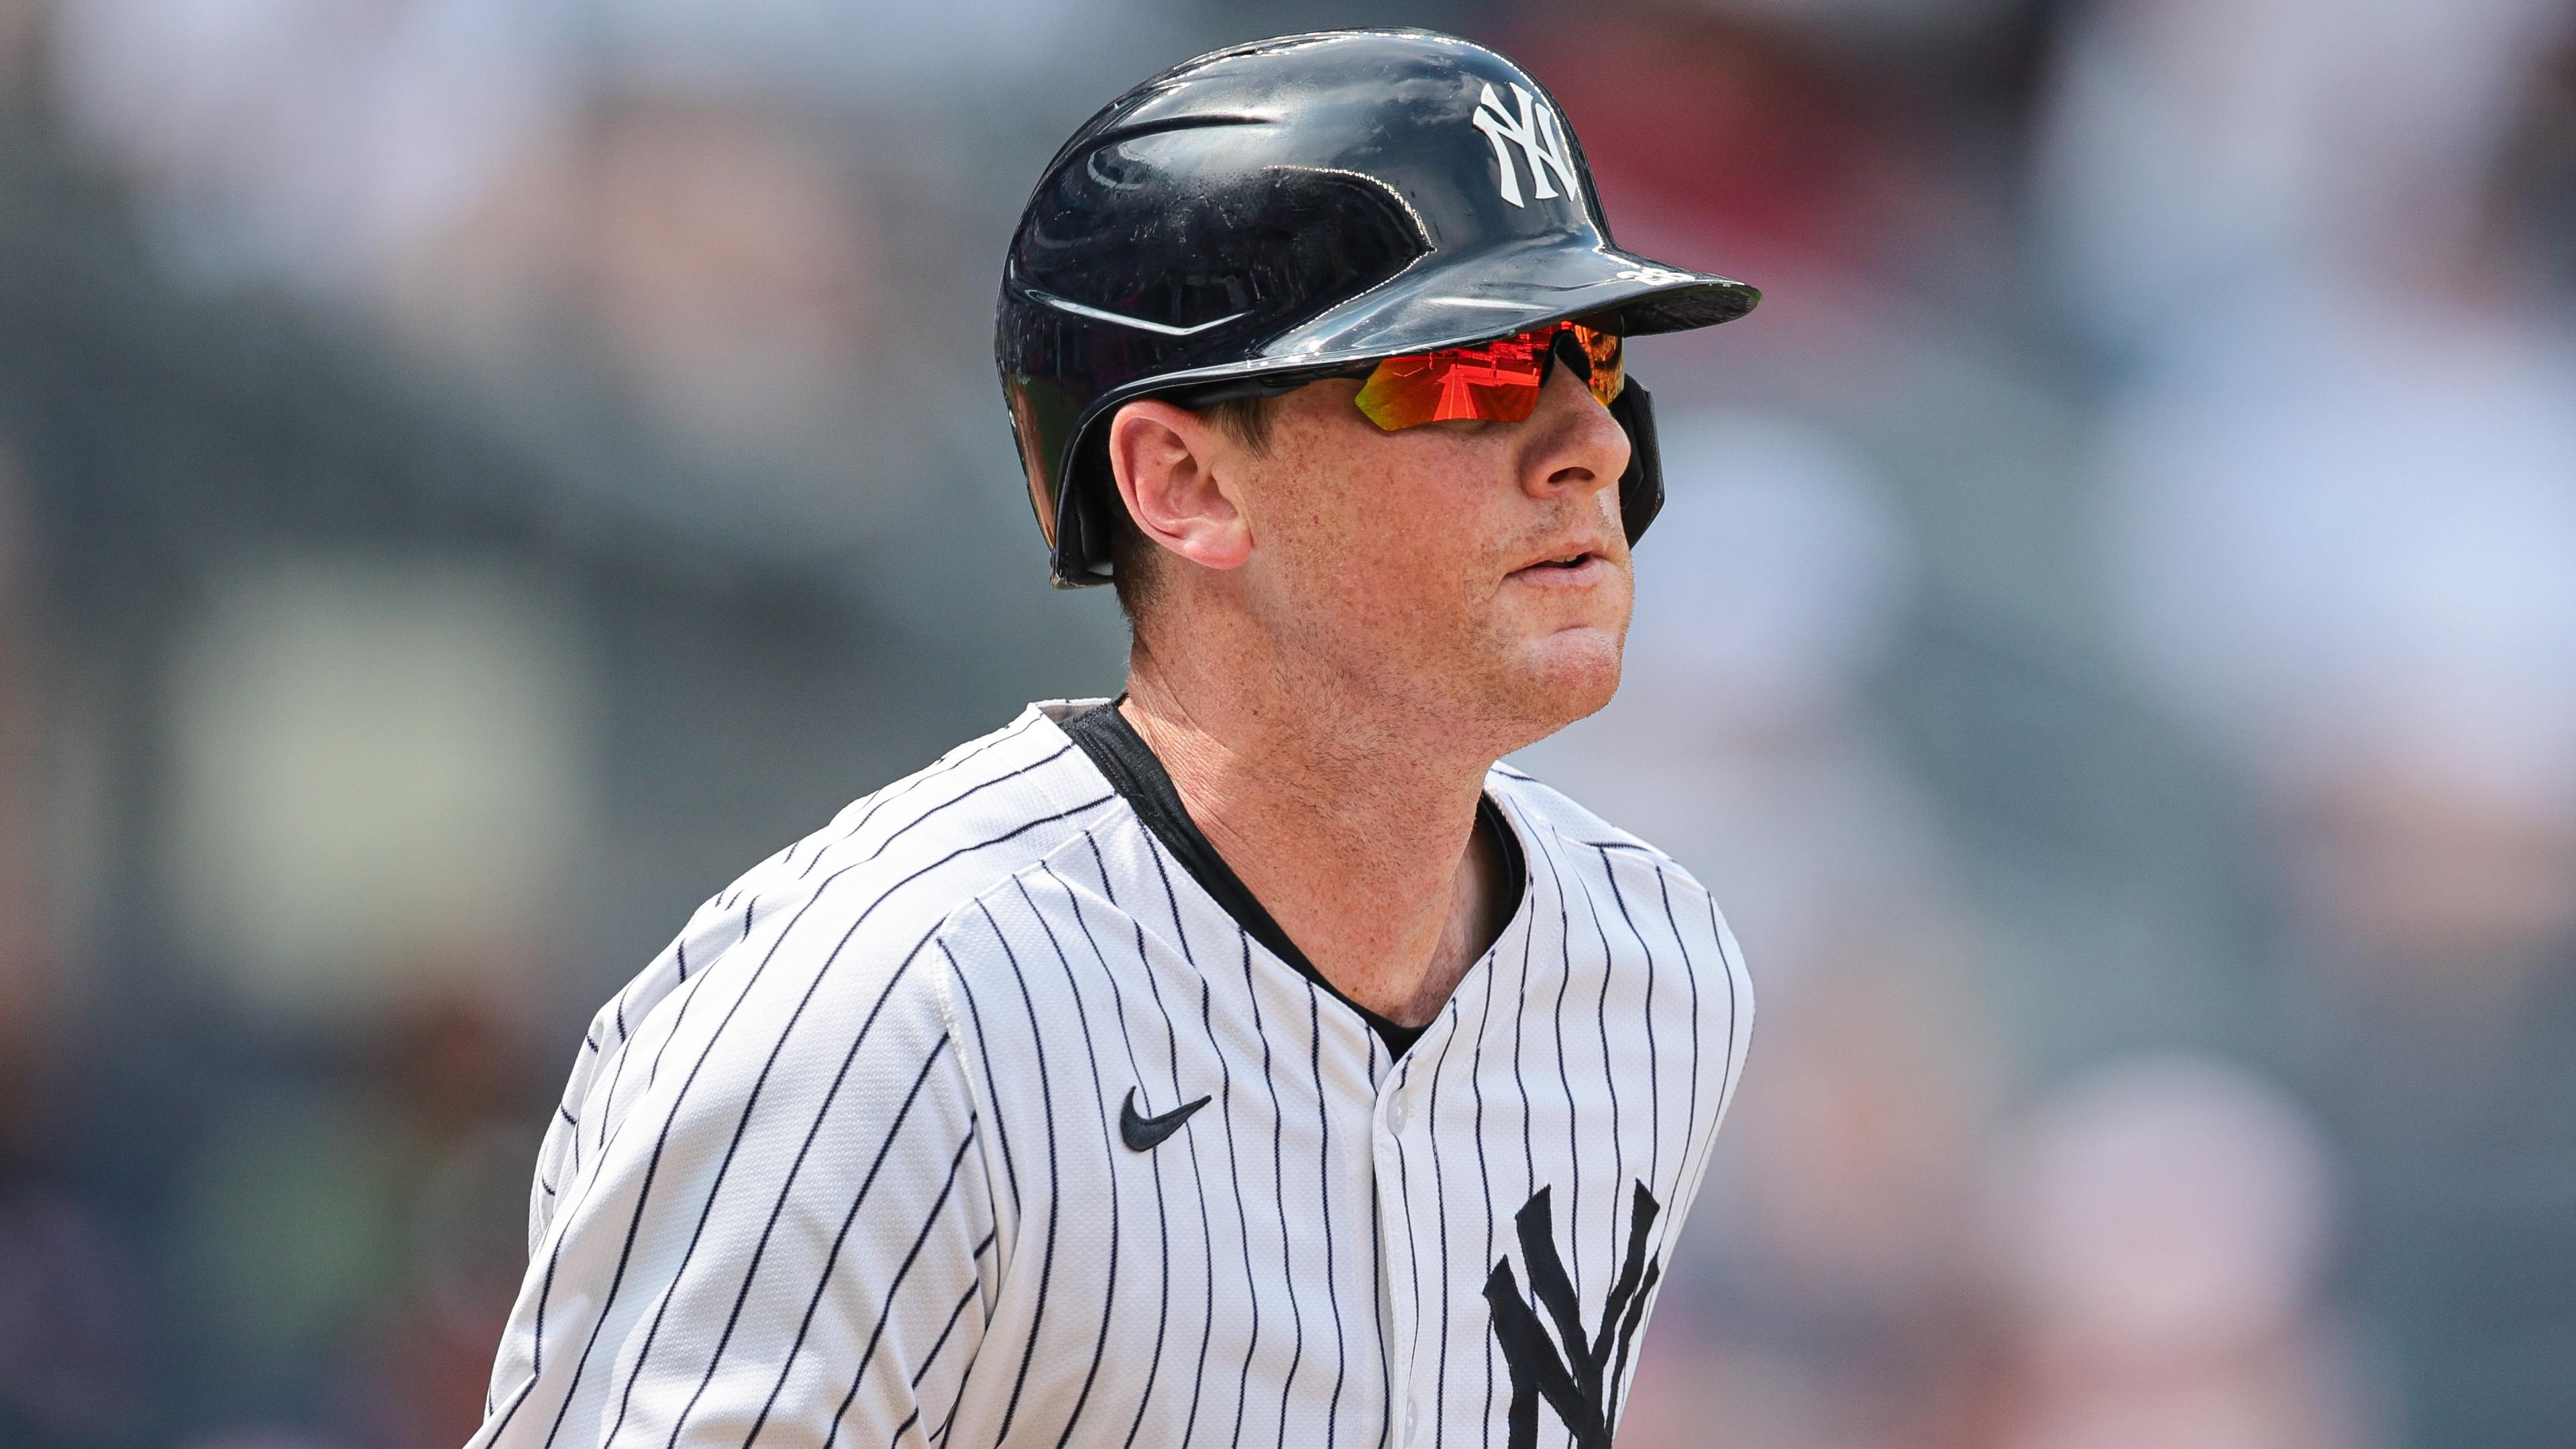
1393, 1117
1401, 1138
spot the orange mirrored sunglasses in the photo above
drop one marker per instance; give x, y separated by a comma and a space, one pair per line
1496, 381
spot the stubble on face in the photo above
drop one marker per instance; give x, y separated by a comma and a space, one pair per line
1384, 565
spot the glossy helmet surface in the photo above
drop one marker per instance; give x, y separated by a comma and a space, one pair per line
1301, 205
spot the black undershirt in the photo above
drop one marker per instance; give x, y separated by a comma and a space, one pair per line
1132, 769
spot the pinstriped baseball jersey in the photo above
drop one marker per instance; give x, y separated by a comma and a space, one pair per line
983, 1116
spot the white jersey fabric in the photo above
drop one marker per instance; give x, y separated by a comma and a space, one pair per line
846, 1164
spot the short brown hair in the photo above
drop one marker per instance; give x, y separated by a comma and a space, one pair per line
1132, 561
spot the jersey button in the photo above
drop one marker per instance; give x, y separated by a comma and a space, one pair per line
1413, 1421
1399, 1116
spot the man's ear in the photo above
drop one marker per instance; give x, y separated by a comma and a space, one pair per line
1164, 458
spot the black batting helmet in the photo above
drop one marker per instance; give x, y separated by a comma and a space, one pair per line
1287, 209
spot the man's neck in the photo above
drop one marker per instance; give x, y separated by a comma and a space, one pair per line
1360, 842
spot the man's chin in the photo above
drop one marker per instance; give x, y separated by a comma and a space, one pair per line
1567, 676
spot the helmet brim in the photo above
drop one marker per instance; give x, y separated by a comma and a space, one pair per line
1458, 299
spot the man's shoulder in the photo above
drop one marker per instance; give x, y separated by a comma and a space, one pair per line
1625, 878
1565, 824
869, 889
977, 798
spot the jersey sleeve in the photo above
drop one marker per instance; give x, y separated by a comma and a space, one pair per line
760, 1214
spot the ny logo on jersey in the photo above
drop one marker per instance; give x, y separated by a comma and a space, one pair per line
1538, 135
1574, 1372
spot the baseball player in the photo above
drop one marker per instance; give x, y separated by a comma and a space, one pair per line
1250, 1059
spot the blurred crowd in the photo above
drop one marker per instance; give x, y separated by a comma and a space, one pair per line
476, 474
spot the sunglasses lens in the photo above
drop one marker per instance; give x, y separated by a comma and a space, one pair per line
1497, 382
1608, 358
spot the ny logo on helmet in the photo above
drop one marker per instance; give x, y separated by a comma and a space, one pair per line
1537, 134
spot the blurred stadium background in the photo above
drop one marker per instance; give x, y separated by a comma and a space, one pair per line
476, 474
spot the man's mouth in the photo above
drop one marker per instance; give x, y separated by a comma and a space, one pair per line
1575, 567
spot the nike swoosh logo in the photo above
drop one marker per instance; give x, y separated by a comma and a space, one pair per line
1144, 1134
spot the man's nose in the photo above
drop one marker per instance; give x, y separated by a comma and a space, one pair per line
1581, 447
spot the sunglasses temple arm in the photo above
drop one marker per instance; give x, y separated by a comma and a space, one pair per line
1269, 385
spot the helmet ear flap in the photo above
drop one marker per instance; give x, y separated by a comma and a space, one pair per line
1641, 488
